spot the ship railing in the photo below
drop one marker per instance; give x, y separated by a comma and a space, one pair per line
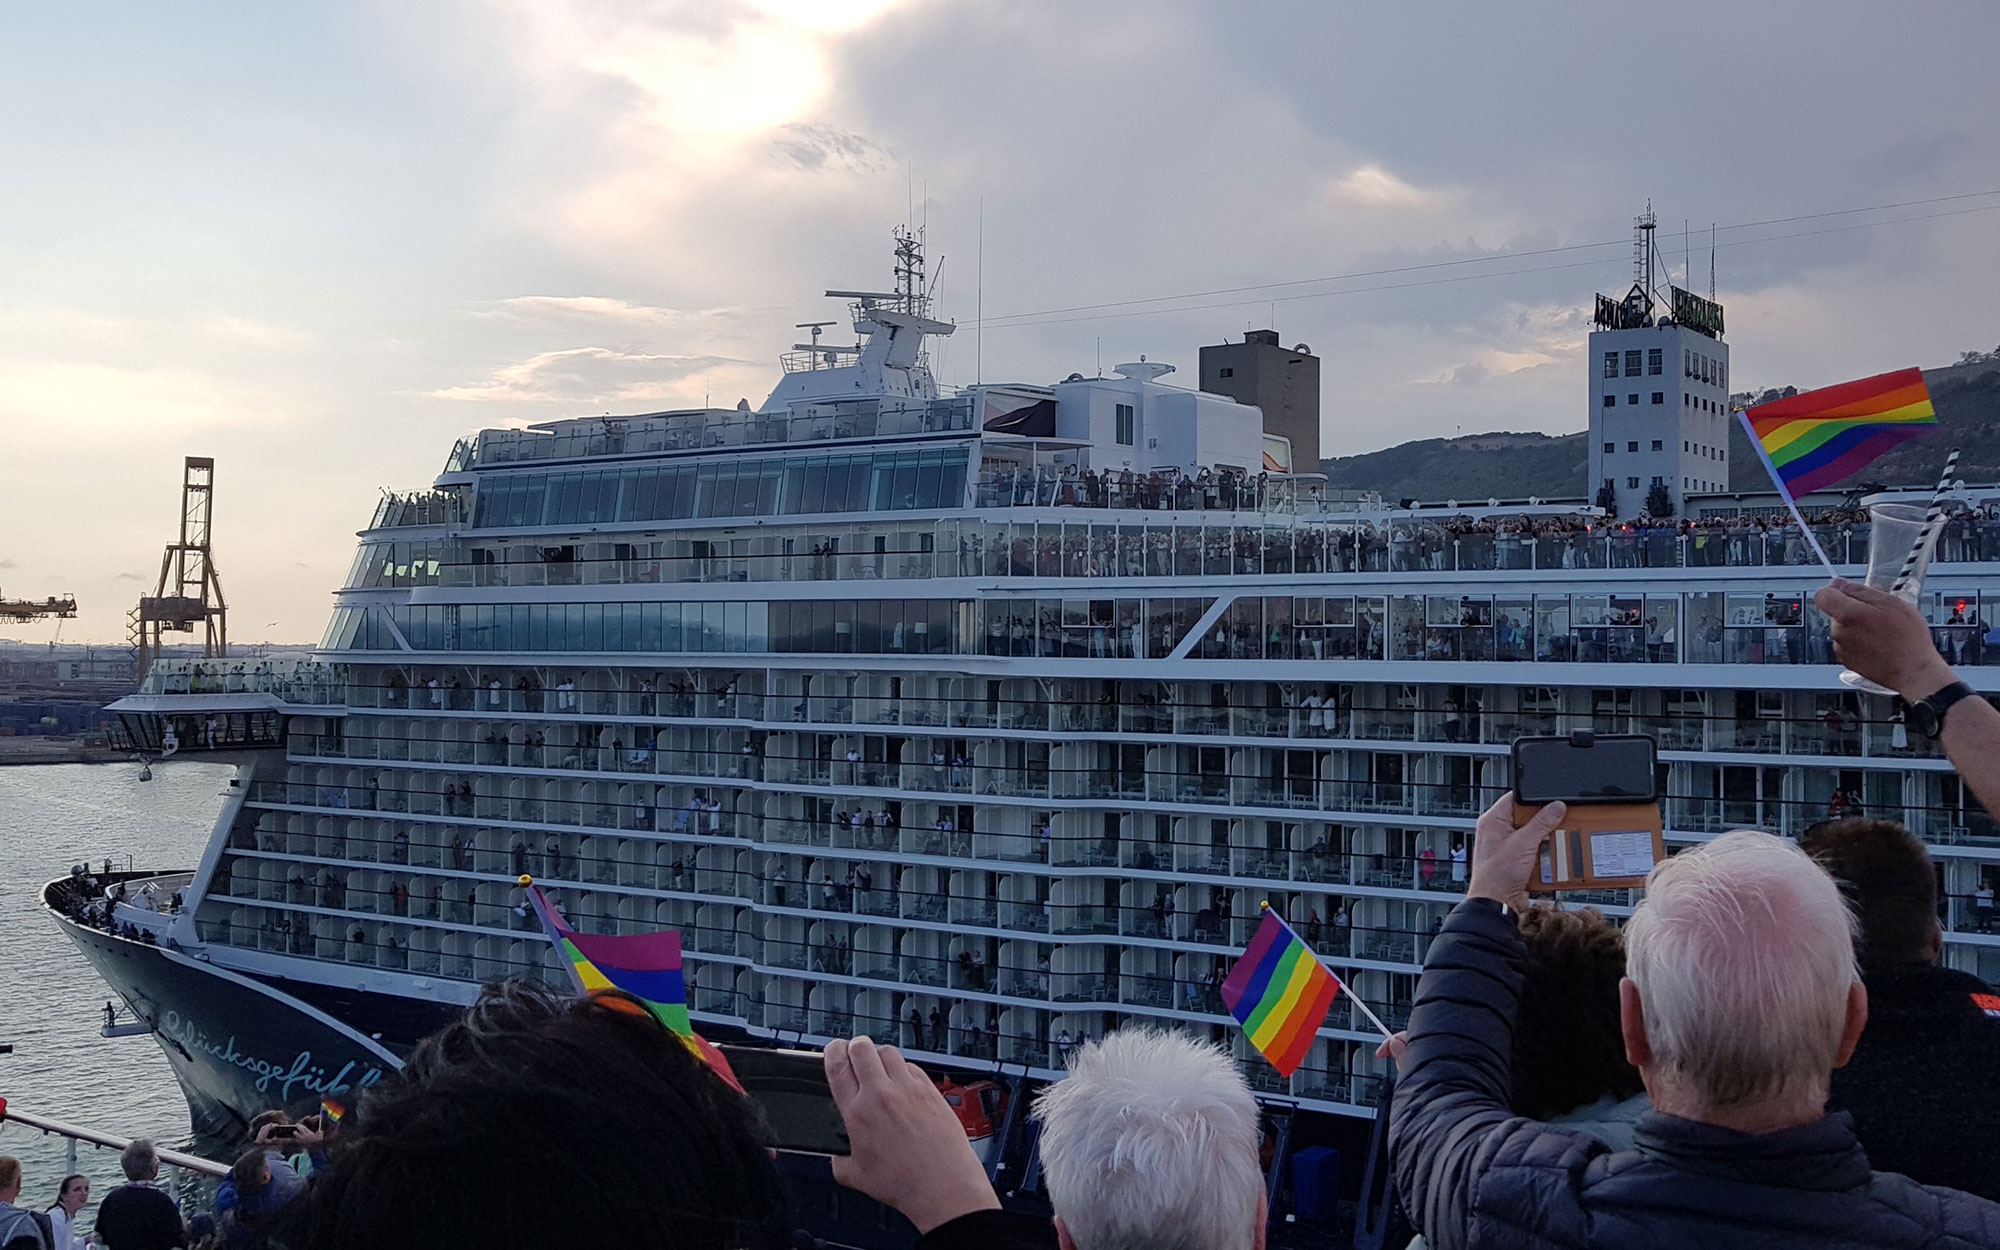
77, 1134
451, 505
292, 679
1337, 801
1104, 547
716, 428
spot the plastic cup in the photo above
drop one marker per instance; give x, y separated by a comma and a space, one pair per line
1896, 530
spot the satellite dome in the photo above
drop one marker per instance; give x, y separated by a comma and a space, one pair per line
1302, 349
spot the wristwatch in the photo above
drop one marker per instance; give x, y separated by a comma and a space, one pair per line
1927, 714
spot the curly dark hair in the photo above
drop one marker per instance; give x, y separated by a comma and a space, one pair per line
1885, 873
541, 1120
1568, 1047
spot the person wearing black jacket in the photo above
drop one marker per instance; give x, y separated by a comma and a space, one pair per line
1740, 999
1920, 1084
140, 1215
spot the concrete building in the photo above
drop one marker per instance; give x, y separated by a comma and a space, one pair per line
1659, 403
1284, 384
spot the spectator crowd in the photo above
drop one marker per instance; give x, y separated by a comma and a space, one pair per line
1767, 1054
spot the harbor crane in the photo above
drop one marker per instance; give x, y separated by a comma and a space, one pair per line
189, 592
63, 608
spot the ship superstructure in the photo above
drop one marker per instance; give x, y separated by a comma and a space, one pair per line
984, 722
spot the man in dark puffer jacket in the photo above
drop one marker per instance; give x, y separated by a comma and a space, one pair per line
1740, 999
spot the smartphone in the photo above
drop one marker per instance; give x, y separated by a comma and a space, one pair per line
283, 1130
1586, 768
789, 1087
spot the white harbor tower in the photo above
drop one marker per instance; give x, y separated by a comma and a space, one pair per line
1659, 395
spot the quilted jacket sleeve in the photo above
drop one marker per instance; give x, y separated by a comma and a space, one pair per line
1469, 1170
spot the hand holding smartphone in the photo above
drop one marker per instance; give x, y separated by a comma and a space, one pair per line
1613, 834
790, 1088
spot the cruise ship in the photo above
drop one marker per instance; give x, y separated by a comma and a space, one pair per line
979, 722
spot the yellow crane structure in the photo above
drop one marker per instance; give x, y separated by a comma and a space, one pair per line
189, 592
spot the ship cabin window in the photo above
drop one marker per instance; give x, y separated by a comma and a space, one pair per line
1610, 401
1659, 397
1632, 400
1632, 483
1659, 445
1125, 423
1632, 364
1610, 448
1227, 373
1654, 363
1632, 445
1611, 364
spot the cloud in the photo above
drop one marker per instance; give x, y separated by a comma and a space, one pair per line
1375, 187
819, 148
130, 577
588, 376
602, 309
6, 563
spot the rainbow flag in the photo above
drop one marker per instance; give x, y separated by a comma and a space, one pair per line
332, 1109
1280, 993
1813, 440
645, 965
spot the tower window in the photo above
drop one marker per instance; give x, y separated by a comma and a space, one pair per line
1659, 445
1632, 400
1226, 373
1632, 364
1632, 483
1125, 423
1659, 397
1609, 448
1633, 445
1611, 364
1610, 401
1654, 362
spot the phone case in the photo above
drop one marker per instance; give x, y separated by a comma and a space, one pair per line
1601, 846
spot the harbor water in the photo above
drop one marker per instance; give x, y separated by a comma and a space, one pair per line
51, 1002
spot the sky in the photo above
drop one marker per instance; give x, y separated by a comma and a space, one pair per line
320, 242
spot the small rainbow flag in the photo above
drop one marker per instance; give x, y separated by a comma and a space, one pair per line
1280, 993
645, 965
1817, 438
332, 1109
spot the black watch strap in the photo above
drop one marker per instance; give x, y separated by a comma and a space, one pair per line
1927, 714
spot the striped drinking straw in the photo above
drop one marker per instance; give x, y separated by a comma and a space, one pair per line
1932, 519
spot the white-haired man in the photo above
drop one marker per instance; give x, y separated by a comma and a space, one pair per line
1150, 1143
1741, 998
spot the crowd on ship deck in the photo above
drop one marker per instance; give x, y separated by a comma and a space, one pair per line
1768, 1053
94, 901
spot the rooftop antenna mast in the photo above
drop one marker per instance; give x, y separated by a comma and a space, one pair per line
910, 294
1642, 248
1711, 260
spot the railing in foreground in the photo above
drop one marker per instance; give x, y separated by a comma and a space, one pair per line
90, 1136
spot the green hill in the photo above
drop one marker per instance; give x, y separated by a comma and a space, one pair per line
1473, 468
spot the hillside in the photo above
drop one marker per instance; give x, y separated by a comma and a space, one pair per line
1474, 467
1478, 467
